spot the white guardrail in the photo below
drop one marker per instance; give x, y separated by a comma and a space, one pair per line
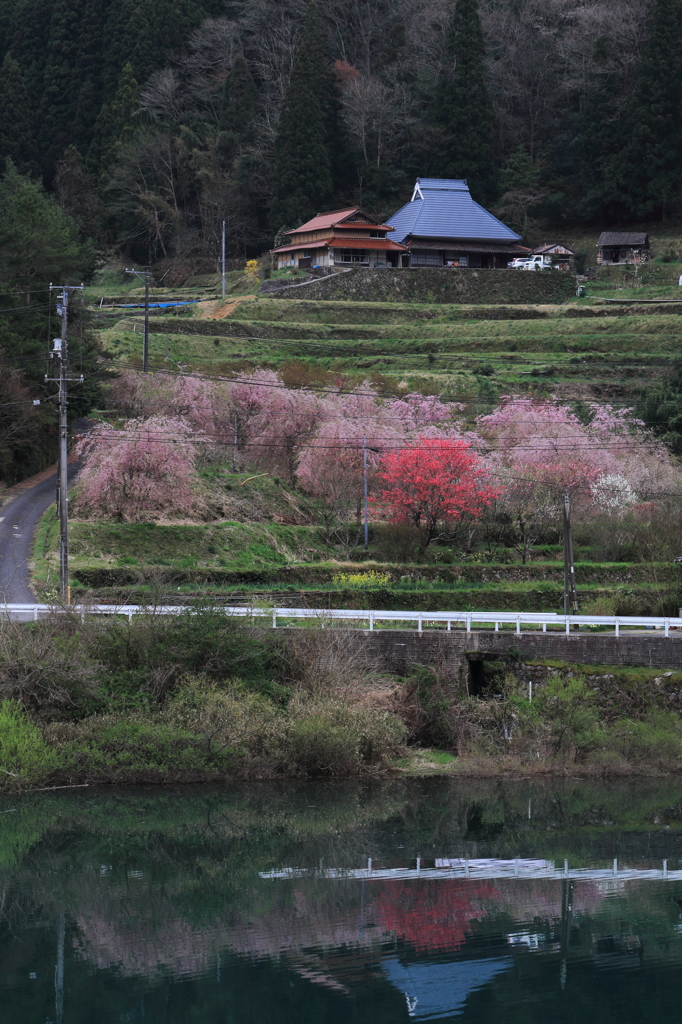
467, 621
488, 868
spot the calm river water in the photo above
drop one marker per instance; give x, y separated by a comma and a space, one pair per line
318, 903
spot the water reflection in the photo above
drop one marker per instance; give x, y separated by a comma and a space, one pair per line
416, 900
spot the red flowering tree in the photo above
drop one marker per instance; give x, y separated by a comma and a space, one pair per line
434, 481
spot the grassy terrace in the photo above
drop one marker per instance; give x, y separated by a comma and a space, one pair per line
583, 348
291, 565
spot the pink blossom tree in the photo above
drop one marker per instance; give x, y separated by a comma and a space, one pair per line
331, 466
141, 472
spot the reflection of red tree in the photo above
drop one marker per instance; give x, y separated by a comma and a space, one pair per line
431, 914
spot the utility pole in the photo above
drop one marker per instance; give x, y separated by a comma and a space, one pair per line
61, 352
145, 276
365, 449
366, 496
145, 342
223, 263
570, 589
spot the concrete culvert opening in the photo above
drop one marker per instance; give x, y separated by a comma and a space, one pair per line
486, 676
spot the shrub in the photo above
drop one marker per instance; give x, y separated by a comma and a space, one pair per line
47, 668
332, 737
566, 704
432, 725
362, 580
229, 718
329, 661
135, 748
25, 758
654, 742
153, 651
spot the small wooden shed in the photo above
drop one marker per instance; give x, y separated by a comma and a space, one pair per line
561, 254
619, 247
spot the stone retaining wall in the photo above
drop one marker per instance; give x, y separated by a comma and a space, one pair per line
399, 650
434, 284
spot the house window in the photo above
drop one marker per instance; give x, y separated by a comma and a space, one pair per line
376, 234
351, 256
426, 258
307, 254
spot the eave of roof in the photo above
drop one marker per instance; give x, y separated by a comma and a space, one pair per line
458, 245
337, 242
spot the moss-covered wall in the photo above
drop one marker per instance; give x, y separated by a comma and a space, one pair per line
434, 284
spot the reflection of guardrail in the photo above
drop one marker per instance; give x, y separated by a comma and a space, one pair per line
488, 868
467, 621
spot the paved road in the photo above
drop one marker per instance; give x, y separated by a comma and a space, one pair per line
19, 520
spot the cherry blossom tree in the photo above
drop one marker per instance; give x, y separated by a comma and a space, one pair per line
434, 481
138, 473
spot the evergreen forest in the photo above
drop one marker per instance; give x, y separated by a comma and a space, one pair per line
130, 132
151, 123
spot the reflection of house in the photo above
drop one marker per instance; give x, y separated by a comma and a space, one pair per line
443, 226
435, 990
342, 237
623, 247
561, 256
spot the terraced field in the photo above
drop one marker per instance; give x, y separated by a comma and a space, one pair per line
582, 349
588, 348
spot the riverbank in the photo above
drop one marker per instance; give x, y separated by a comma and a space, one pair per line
204, 698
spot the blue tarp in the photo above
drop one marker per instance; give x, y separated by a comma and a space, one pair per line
158, 305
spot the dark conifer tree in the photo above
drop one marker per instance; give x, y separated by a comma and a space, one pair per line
17, 139
303, 175
646, 169
462, 108
115, 123
238, 106
91, 46
598, 137
29, 46
71, 94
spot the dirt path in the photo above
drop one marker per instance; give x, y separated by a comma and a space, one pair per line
213, 310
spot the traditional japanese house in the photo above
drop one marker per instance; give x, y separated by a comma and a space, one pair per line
442, 226
340, 238
623, 247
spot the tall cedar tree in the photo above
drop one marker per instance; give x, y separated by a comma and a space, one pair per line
647, 171
462, 107
303, 175
62, 83
115, 125
17, 140
598, 136
238, 103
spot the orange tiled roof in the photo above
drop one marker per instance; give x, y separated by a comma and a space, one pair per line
334, 218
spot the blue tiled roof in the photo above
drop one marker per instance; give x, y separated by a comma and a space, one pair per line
446, 210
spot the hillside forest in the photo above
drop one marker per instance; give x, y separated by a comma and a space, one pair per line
150, 123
